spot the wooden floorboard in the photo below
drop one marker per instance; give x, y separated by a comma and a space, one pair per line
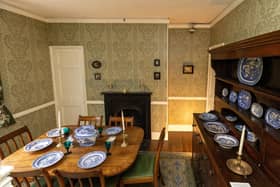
177, 142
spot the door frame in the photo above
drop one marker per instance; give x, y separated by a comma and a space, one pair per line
55, 93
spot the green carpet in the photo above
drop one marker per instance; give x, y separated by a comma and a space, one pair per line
176, 170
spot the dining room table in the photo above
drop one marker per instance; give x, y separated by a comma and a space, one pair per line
121, 158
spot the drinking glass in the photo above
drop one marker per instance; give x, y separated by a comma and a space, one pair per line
67, 145
100, 129
108, 146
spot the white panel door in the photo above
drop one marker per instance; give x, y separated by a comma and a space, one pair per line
69, 82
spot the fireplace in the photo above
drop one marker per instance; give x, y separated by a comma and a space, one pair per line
136, 104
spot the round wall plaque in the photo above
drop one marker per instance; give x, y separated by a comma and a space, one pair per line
96, 64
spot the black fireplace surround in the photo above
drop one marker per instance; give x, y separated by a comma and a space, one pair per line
136, 104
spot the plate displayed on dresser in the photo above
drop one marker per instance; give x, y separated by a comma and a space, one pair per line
272, 117
244, 99
113, 130
231, 118
216, 127
38, 144
226, 141
257, 110
233, 96
249, 70
48, 159
92, 159
207, 116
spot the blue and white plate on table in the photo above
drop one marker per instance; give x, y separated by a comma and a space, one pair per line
233, 96
113, 130
48, 159
38, 145
249, 70
216, 127
226, 141
257, 110
231, 118
54, 132
225, 92
207, 116
92, 159
272, 117
244, 99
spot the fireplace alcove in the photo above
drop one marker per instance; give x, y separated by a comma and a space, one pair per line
136, 104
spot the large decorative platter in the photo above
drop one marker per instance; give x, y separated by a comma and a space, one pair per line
257, 110
113, 130
250, 70
86, 130
272, 117
37, 145
244, 99
216, 127
92, 159
226, 141
207, 116
48, 159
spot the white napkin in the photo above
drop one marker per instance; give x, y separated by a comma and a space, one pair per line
239, 184
5, 171
111, 139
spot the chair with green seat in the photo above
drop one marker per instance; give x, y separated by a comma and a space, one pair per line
145, 168
85, 179
40, 177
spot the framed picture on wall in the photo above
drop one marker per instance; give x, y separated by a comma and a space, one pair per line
97, 76
156, 75
187, 69
156, 62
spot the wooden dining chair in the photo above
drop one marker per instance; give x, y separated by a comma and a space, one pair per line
146, 167
11, 142
93, 120
40, 178
117, 121
84, 179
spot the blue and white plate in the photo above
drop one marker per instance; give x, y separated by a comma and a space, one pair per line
86, 130
233, 96
250, 70
225, 92
216, 127
257, 110
226, 141
244, 99
92, 159
207, 116
231, 118
38, 144
272, 117
113, 130
48, 159
54, 132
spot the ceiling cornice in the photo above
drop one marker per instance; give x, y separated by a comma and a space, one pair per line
225, 12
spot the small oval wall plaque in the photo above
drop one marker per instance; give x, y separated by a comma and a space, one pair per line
96, 64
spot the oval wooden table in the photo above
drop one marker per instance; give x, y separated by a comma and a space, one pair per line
118, 162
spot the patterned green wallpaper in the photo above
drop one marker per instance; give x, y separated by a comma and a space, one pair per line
126, 51
187, 48
251, 18
25, 69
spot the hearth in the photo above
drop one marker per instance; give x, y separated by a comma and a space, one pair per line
137, 104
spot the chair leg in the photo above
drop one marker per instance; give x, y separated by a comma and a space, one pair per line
121, 184
161, 180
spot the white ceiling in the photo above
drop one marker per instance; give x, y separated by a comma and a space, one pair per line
177, 11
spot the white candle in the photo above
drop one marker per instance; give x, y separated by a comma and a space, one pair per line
241, 141
123, 126
58, 120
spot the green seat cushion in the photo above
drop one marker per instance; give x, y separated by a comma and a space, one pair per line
142, 167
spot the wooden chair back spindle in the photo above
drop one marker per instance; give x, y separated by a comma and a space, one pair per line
90, 120
117, 121
83, 179
14, 140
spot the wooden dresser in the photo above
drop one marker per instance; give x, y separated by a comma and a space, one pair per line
209, 160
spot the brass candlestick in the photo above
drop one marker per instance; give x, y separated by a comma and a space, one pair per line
239, 166
59, 144
124, 143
